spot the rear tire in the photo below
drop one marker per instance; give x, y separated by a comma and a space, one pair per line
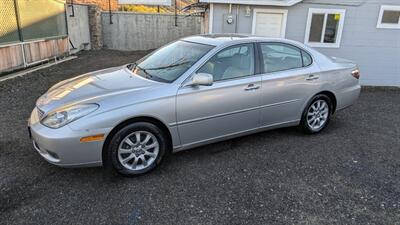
317, 114
136, 149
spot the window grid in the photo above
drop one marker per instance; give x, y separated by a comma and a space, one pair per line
387, 8
326, 13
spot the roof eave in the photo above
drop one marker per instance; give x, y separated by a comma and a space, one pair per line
254, 2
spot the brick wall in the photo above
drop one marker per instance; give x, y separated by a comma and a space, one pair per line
103, 4
95, 27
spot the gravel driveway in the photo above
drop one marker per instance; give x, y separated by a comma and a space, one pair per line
349, 174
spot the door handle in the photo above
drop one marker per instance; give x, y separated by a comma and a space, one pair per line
312, 77
251, 87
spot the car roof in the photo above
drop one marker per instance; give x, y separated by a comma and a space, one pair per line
222, 39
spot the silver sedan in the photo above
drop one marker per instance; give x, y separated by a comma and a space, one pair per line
191, 92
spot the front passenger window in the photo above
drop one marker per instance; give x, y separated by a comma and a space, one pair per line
280, 56
232, 62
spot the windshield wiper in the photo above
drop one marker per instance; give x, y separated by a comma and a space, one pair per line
169, 66
154, 77
130, 66
178, 62
135, 65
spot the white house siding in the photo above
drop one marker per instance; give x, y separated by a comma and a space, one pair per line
377, 51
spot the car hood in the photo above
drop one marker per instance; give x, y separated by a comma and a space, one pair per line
90, 87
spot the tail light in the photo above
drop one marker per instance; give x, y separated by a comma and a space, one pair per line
356, 74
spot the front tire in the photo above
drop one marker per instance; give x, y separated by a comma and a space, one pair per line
317, 114
136, 149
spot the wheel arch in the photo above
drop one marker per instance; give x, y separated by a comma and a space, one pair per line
126, 122
332, 97
329, 94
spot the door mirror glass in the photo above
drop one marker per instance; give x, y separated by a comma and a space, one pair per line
201, 79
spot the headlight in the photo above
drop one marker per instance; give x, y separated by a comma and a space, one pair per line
63, 116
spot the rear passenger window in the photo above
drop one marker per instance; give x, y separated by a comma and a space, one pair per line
307, 60
280, 56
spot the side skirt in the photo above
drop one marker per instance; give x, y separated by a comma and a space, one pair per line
234, 135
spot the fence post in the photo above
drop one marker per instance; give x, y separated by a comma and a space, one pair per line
18, 20
72, 8
109, 9
21, 38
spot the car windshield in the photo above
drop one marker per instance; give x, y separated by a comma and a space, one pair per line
170, 62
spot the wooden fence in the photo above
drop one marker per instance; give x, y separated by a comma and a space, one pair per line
24, 54
31, 32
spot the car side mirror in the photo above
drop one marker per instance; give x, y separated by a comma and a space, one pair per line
203, 79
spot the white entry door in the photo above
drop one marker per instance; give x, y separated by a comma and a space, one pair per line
270, 22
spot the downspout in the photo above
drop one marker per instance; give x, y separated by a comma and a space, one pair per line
237, 18
211, 19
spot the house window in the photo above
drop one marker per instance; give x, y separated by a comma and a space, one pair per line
389, 17
324, 27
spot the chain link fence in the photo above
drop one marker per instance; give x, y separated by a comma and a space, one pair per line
25, 20
9, 25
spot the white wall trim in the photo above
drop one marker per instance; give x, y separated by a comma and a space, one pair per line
381, 25
312, 11
276, 11
211, 19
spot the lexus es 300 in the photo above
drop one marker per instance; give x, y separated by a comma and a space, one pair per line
191, 92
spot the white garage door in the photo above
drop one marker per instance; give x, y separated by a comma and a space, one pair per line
269, 23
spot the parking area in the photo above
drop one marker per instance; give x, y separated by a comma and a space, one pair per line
349, 174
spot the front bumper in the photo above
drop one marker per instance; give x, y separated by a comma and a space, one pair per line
62, 146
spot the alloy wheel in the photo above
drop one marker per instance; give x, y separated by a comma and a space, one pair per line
138, 150
317, 115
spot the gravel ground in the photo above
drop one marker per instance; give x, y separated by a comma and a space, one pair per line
349, 174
